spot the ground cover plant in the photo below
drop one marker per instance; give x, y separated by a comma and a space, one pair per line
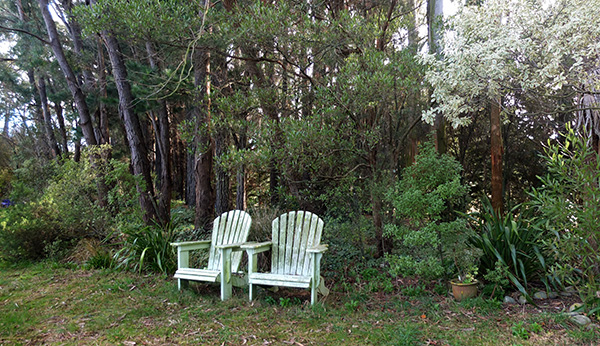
52, 303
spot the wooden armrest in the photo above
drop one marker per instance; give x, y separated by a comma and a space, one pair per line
317, 249
257, 247
192, 245
234, 246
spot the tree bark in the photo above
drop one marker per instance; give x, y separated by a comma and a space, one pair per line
139, 152
6, 120
496, 151
203, 163
240, 196
48, 128
103, 129
75, 31
190, 175
163, 146
78, 96
221, 175
61, 126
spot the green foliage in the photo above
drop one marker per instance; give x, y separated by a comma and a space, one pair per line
26, 229
102, 259
57, 205
568, 204
432, 238
414, 291
5, 180
520, 331
510, 245
147, 248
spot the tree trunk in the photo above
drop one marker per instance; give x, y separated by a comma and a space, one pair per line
77, 151
139, 152
240, 196
221, 175
435, 13
203, 163
163, 146
75, 31
6, 120
78, 96
497, 151
61, 125
190, 175
103, 129
48, 128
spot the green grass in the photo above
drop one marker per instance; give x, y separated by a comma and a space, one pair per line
47, 303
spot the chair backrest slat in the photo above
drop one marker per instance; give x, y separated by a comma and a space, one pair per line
231, 227
292, 234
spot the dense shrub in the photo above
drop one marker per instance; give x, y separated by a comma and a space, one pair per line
568, 203
432, 240
59, 208
26, 230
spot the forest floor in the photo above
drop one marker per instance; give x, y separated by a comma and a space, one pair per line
50, 303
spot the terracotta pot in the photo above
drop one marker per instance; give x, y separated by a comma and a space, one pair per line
462, 291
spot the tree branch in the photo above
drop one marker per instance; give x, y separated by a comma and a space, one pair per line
24, 32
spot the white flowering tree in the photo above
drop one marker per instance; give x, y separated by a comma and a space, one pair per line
540, 51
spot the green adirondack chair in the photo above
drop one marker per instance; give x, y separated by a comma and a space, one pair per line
230, 230
295, 257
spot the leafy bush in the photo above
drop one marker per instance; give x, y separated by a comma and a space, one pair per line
510, 246
57, 205
26, 230
568, 203
432, 239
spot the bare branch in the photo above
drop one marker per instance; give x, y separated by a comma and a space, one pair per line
25, 32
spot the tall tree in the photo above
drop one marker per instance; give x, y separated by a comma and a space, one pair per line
520, 51
85, 120
137, 147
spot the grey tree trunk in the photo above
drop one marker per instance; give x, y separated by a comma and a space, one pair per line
61, 126
6, 122
48, 128
139, 152
103, 129
78, 96
240, 196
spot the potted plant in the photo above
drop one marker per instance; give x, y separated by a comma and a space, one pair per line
466, 284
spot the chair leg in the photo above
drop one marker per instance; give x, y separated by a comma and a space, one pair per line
226, 290
225, 274
251, 291
182, 284
313, 293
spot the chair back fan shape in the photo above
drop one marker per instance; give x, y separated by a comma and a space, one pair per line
230, 228
292, 234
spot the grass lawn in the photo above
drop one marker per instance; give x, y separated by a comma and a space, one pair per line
49, 303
